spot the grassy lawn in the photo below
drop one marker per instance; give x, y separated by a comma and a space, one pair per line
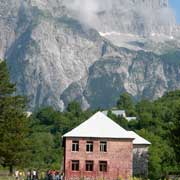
6, 178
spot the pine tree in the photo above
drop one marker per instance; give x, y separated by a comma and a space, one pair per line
13, 123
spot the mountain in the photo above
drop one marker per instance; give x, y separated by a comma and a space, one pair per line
58, 51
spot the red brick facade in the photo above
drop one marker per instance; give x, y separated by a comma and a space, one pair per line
118, 157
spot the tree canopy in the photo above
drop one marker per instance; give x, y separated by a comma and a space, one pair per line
13, 123
125, 102
159, 122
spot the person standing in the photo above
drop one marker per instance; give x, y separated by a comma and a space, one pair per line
34, 175
62, 176
29, 175
57, 175
50, 175
53, 175
17, 175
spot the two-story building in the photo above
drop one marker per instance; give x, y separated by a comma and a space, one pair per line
98, 149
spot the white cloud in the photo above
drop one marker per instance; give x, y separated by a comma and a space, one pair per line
148, 14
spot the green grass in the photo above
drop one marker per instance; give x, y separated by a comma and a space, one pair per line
7, 178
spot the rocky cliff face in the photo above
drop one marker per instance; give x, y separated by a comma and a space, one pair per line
142, 74
49, 55
55, 56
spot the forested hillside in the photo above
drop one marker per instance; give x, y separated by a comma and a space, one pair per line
35, 141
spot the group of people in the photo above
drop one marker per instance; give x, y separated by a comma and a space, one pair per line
34, 175
31, 175
54, 175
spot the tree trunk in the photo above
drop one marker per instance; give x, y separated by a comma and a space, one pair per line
11, 170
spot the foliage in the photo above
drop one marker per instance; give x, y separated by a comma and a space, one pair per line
175, 133
125, 102
13, 123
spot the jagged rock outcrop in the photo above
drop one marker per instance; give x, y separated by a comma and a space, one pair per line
54, 56
142, 74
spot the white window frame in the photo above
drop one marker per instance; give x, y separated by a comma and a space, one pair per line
89, 146
75, 164
75, 146
103, 146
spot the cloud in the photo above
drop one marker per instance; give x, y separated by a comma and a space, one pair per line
121, 14
87, 10
84, 10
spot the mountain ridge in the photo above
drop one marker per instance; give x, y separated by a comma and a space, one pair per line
54, 57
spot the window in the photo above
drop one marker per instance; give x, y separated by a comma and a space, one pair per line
89, 146
75, 165
89, 165
103, 166
75, 146
103, 146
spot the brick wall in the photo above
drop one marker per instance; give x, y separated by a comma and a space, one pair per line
118, 156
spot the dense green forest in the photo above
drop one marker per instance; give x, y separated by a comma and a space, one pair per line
35, 141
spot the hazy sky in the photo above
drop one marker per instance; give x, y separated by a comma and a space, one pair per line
175, 4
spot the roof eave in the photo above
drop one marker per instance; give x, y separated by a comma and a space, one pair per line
144, 144
98, 137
